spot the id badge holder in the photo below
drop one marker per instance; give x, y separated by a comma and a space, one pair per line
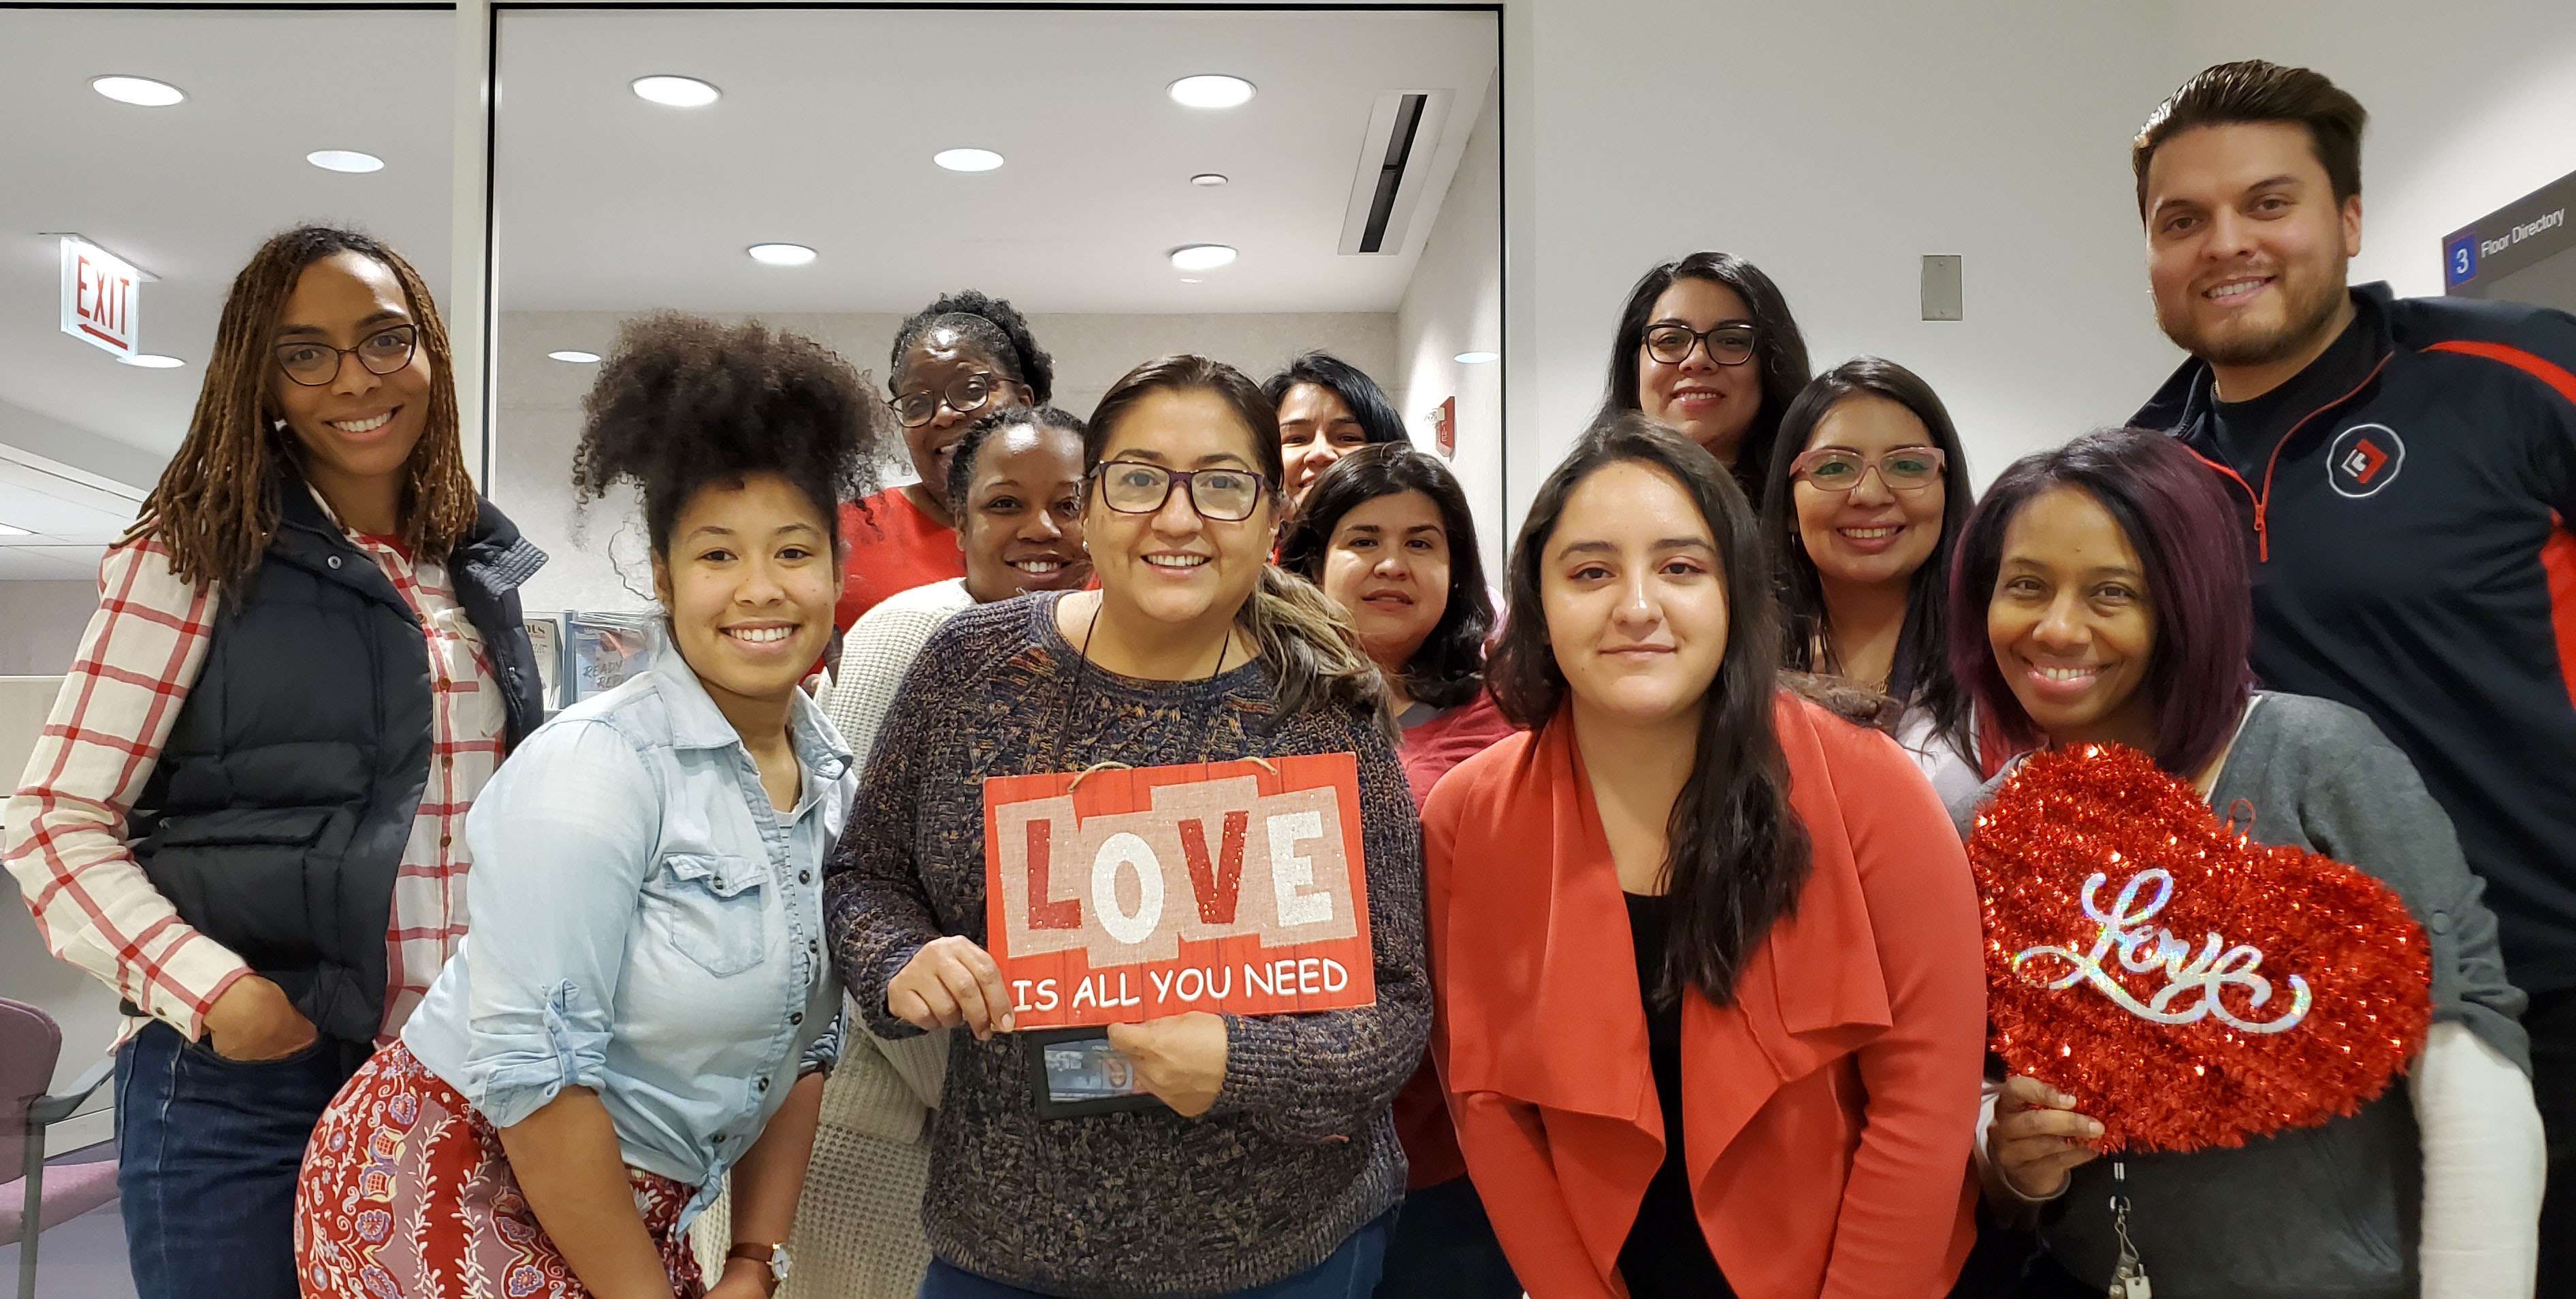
1075, 1072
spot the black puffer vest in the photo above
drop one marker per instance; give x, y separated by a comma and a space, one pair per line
276, 818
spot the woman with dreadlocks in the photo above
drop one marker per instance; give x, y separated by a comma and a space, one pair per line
965, 355
246, 813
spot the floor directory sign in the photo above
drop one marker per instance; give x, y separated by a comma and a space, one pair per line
2524, 251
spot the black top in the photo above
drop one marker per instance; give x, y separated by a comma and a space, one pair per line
276, 814
2418, 486
1666, 1253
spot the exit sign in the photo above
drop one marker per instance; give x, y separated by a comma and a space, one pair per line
102, 296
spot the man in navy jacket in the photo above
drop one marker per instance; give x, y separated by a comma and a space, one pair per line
2407, 472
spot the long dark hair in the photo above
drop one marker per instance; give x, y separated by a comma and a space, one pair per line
1449, 666
1920, 676
1368, 403
1778, 348
1736, 852
2179, 520
215, 507
1312, 651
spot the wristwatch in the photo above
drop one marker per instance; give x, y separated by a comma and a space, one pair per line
773, 1257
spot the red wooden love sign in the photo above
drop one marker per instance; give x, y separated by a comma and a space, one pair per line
1133, 893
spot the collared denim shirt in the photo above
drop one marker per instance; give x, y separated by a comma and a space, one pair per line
644, 924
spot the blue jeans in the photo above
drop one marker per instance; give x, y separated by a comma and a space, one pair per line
1444, 1248
208, 1151
1351, 1273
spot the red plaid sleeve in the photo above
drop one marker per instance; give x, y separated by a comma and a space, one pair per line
65, 830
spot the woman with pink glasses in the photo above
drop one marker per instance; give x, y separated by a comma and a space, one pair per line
1868, 490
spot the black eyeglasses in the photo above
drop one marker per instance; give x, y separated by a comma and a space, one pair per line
315, 364
1141, 487
963, 396
1727, 344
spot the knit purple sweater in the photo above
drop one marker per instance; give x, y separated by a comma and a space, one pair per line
1299, 1151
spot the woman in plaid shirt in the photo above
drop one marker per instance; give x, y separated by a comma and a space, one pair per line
245, 813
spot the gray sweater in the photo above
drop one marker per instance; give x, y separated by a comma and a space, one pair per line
1300, 1149
2330, 1212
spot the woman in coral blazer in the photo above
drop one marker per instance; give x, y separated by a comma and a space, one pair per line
1756, 1073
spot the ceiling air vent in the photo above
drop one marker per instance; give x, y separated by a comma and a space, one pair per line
1395, 155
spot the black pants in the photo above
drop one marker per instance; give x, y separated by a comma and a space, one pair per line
2552, 1023
1444, 1248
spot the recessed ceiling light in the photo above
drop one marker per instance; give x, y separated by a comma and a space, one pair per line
1211, 92
574, 357
1201, 257
782, 254
1478, 358
676, 92
1208, 179
967, 159
349, 160
138, 90
150, 361
1192, 279
7, 531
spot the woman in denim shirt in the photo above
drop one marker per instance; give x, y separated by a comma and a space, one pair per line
642, 1003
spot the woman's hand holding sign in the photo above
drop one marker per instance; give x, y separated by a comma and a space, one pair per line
2037, 1137
949, 982
1180, 1058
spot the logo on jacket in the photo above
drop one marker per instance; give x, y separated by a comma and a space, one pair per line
2365, 459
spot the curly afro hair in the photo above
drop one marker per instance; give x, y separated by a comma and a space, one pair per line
683, 403
993, 325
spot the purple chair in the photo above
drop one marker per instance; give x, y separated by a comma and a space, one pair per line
30, 1042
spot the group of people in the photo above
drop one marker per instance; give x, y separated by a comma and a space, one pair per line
1680, 986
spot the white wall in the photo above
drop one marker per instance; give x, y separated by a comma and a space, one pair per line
1834, 144
40, 626
539, 408
2471, 107
83, 1006
1454, 305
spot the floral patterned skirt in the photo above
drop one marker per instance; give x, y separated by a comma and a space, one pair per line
406, 1194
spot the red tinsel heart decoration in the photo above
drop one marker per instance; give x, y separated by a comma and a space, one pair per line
2188, 986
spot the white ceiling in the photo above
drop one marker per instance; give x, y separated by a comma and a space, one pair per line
830, 117
606, 202
186, 193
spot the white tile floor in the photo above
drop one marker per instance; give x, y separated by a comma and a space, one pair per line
80, 1259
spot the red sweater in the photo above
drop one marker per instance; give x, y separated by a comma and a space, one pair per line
1421, 1112
893, 547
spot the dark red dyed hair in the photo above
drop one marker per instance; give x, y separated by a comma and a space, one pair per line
2192, 546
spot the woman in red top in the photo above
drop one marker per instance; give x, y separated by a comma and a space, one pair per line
1386, 532
1711, 1006
954, 360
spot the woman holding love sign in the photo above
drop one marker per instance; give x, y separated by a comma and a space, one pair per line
1708, 974
2099, 599
1265, 1161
